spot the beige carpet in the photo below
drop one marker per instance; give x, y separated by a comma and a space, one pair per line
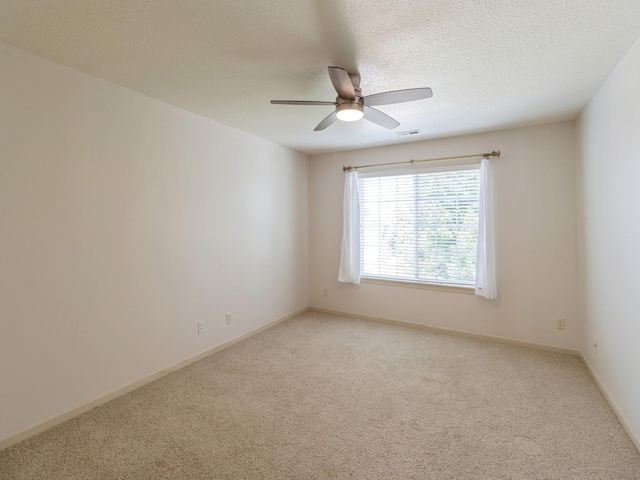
321, 397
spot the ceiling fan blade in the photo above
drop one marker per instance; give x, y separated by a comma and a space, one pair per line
342, 83
397, 96
300, 102
379, 118
326, 122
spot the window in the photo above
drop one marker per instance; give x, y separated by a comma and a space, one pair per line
420, 227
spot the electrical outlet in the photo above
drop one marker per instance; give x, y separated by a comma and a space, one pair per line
229, 318
325, 292
200, 327
560, 323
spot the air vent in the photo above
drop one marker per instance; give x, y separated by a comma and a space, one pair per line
408, 132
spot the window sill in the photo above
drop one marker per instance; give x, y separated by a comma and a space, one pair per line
443, 287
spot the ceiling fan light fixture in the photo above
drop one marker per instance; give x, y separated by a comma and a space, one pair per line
349, 112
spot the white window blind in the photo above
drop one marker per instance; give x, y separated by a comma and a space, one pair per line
421, 226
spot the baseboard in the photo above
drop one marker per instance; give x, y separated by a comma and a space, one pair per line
510, 341
51, 422
614, 407
12, 440
634, 438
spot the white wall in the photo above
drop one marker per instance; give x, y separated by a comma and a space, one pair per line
535, 196
608, 153
124, 221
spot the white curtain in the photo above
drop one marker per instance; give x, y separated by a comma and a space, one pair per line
350, 253
486, 255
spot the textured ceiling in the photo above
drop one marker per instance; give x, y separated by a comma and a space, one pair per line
491, 64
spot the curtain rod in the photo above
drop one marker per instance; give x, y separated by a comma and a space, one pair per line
495, 153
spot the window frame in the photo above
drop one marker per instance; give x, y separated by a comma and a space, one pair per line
431, 167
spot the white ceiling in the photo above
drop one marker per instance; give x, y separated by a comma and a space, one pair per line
491, 64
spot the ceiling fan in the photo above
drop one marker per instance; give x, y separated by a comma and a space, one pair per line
351, 105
